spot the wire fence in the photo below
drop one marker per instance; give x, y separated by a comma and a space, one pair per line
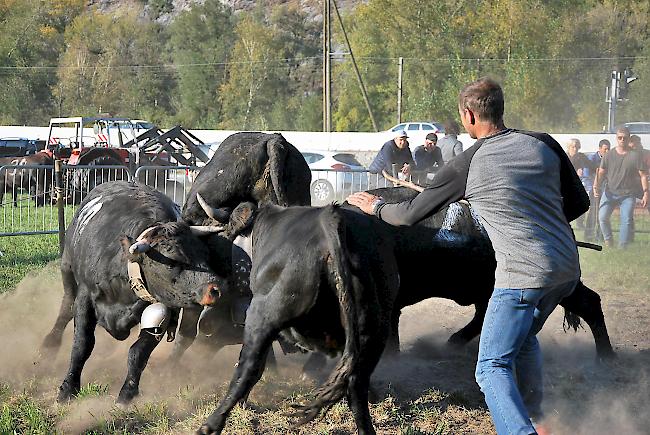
29, 206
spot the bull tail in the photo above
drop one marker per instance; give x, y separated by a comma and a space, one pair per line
277, 152
335, 388
571, 321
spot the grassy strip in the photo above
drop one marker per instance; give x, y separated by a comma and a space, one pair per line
22, 254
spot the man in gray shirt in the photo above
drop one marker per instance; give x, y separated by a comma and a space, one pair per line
449, 145
526, 192
626, 175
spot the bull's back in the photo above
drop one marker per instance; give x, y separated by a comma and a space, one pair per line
111, 210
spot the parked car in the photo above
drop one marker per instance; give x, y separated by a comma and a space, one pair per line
17, 146
411, 127
334, 175
416, 131
636, 127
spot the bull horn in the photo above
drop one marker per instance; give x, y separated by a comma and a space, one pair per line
211, 212
139, 246
218, 214
204, 313
203, 230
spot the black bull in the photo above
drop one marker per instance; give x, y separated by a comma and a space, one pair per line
174, 265
255, 167
326, 285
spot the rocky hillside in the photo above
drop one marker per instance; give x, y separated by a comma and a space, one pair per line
164, 11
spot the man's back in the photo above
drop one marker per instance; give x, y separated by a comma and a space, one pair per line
513, 182
450, 147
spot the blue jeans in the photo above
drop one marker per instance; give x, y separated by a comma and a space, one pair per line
608, 203
509, 344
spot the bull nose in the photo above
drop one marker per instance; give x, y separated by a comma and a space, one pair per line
211, 294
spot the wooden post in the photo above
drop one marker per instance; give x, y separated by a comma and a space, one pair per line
60, 202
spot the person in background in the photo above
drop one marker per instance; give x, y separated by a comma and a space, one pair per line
525, 191
394, 152
592, 230
449, 145
428, 159
582, 166
635, 143
627, 178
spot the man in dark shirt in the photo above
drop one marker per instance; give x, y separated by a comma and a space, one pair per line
394, 152
428, 159
525, 190
592, 230
627, 179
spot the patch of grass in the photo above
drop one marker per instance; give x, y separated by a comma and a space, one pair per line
22, 414
92, 390
23, 254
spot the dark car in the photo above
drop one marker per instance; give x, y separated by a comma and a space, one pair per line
17, 146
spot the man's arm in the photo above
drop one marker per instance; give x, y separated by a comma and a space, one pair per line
448, 186
600, 175
644, 185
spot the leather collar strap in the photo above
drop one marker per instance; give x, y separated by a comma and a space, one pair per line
135, 277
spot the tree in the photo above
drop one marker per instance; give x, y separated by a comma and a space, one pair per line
200, 41
31, 43
113, 64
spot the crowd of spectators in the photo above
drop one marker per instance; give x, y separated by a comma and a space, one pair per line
613, 179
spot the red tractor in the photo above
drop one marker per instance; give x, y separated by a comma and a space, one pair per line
99, 145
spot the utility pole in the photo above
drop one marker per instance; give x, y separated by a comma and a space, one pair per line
617, 92
400, 71
611, 97
327, 69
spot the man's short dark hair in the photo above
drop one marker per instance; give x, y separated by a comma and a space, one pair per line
432, 137
604, 142
484, 97
624, 130
451, 127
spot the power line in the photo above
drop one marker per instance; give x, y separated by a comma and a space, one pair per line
300, 59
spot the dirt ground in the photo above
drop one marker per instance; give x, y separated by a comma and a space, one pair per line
582, 396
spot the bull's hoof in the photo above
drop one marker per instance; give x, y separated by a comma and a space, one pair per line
205, 430
128, 392
66, 393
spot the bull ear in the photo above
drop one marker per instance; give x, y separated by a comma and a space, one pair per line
241, 219
277, 152
127, 242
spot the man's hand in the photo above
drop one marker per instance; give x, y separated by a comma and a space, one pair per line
596, 191
644, 200
406, 169
363, 200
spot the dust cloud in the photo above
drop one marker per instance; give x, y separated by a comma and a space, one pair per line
583, 396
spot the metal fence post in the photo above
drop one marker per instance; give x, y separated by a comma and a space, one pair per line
58, 182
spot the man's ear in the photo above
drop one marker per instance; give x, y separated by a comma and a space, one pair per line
469, 116
126, 242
